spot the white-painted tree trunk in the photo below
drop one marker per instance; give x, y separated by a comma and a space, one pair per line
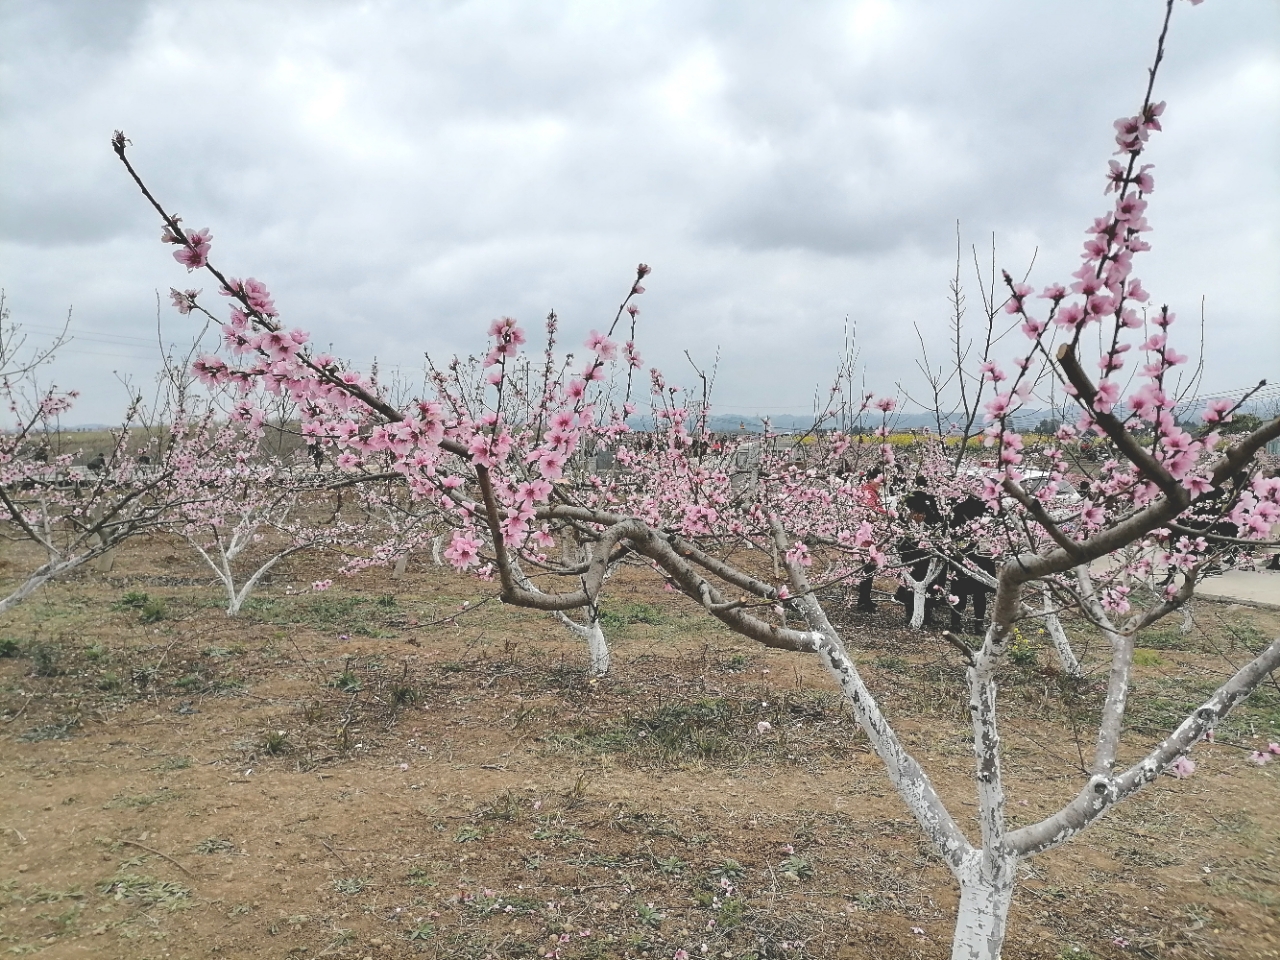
402, 564
920, 588
986, 890
1188, 621
1058, 636
40, 577
592, 632
222, 569
32, 584
236, 598
435, 550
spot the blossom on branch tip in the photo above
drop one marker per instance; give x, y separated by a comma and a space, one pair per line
1129, 319
1115, 177
601, 345
183, 300
1130, 207
1019, 292
1108, 393
799, 554
1033, 328
551, 464
210, 369
998, 406
1217, 411
195, 255
1072, 315
253, 292
463, 550
1151, 115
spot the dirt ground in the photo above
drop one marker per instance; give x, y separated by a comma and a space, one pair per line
405, 768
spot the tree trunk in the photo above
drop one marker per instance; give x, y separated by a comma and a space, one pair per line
39, 578
921, 592
598, 647
1058, 636
590, 631
985, 894
920, 588
34, 582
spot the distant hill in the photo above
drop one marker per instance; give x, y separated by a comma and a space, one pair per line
785, 423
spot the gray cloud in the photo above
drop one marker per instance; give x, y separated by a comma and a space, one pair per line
398, 172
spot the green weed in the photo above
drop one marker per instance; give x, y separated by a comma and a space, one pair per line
347, 681
145, 891
276, 742
133, 600
215, 845
350, 885
153, 611
796, 868
46, 659
616, 615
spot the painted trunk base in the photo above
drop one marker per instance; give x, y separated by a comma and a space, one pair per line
598, 648
983, 913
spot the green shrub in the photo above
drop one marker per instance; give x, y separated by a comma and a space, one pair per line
45, 659
133, 600
153, 611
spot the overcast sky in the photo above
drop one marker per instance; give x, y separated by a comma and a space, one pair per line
399, 173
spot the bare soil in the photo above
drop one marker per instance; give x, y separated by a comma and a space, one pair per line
406, 768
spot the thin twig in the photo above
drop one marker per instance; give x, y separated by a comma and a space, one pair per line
329, 847
135, 843
21, 711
